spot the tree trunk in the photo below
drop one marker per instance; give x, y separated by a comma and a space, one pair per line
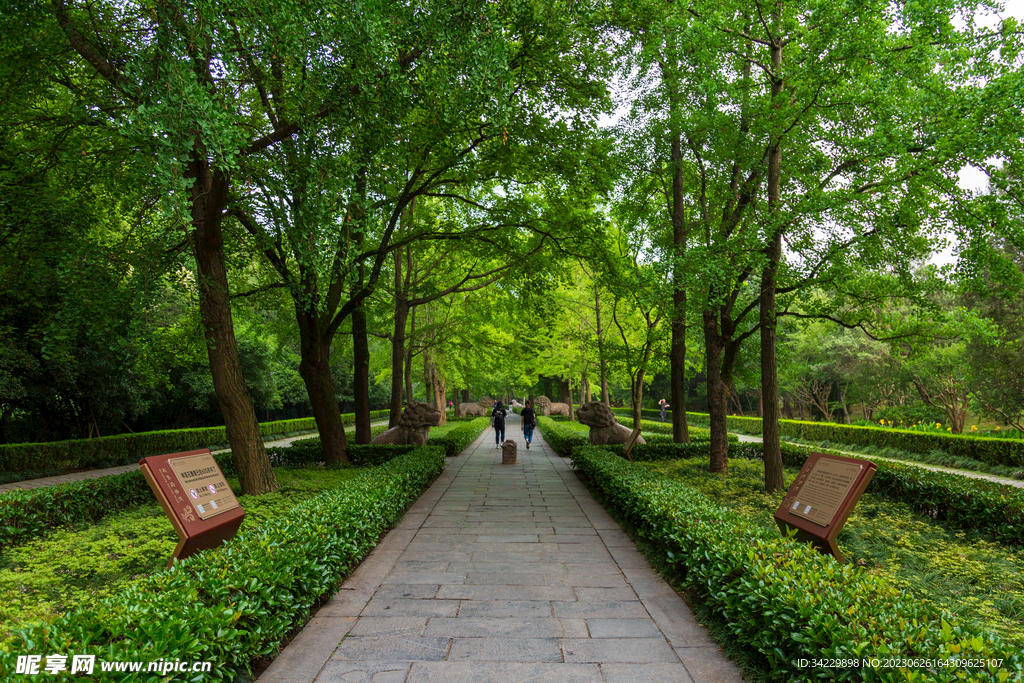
361, 374
600, 348
677, 352
572, 400
773, 476
408, 357
465, 395
209, 192
398, 343
718, 395
636, 392
315, 370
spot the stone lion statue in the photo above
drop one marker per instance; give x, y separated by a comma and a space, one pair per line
604, 426
413, 426
544, 406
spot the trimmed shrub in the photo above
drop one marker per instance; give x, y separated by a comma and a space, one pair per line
123, 449
783, 598
461, 436
237, 603
563, 438
959, 501
659, 447
1008, 452
25, 515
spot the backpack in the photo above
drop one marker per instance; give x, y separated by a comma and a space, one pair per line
499, 418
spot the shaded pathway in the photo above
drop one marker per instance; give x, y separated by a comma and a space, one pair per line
504, 573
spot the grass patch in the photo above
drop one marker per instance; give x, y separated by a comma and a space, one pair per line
78, 566
933, 457
964, 573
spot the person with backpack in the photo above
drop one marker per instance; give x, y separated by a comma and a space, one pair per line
529, 422
498, 420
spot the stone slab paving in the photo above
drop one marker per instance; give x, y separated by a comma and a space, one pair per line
503, 574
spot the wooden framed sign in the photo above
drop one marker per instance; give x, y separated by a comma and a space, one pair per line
195, 496
822, 497
633, 438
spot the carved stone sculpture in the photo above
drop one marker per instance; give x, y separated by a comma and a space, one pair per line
413, 426
508, 452
604, 426
474, 409
544, 406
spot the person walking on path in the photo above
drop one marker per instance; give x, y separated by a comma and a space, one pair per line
498, 420
529, 422
663, 407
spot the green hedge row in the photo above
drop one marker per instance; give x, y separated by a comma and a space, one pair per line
28, 514
784, 599
108, 451
1009, 452
460, 437
235, 604
566, 439
959, 501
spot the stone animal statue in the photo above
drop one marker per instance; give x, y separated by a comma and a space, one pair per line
413, 426
516, 404
544, 406
474, 409
486, 402
604, 427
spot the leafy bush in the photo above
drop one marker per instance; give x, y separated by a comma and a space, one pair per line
236, 604
460, 437
959, 501
782, 598
1008, 452
123, 449
32, 513
79, 565
565, 439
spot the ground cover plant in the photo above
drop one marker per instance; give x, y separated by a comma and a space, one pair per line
235, 604
28, 460
783, 599
80, 564
36, 512
1003, 452
965, 573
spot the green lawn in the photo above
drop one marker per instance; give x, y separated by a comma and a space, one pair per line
967, 574
78, 566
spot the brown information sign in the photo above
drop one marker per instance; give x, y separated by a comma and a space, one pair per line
821, 498
196, 498
201, 479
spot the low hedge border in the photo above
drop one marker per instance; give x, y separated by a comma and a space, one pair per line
28, 514
781, 598
108, 451
460, 437
237, 603
566, 439
990, 450
958, 501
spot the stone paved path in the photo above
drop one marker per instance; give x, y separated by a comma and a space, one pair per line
120, 469
504, 574
1005, 481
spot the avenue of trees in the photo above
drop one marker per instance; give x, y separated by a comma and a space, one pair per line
244, 212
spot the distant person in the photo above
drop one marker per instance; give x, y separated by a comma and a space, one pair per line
529, 422
663, 407
498, 420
